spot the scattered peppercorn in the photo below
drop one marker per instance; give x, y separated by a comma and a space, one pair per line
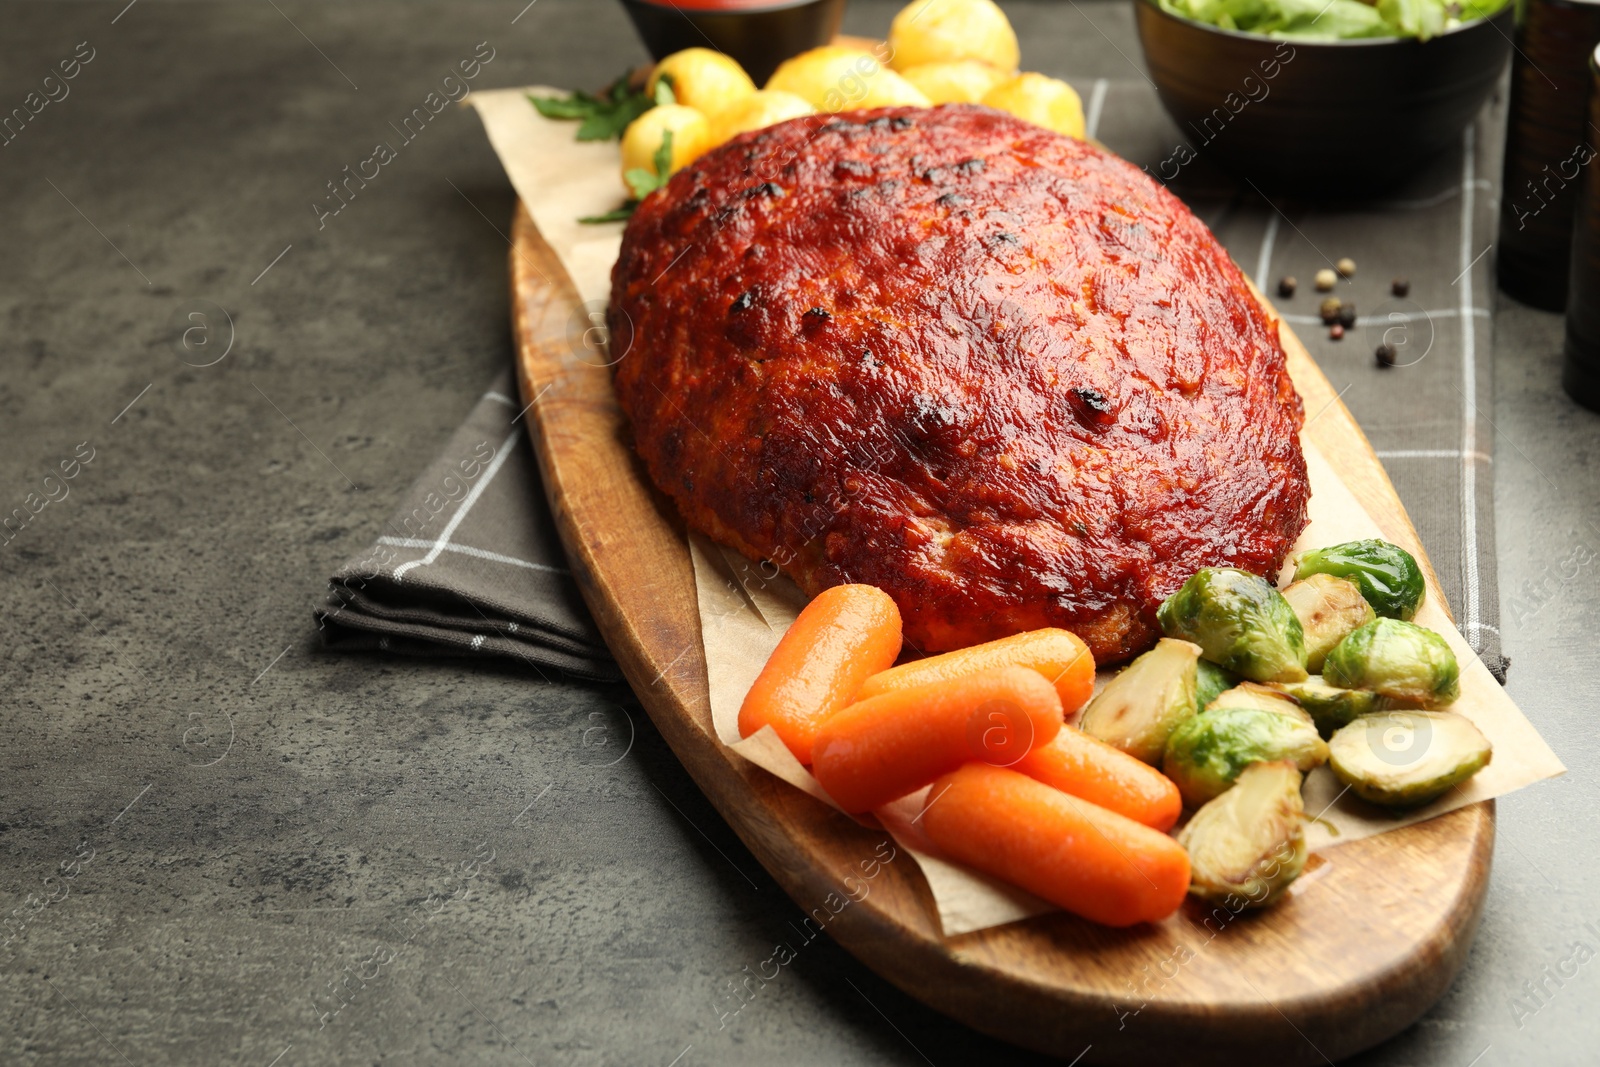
1347, 315
1346, 267
1286, 285
1336, 332
1385, 354
1400, 287
1330, 310
1325, 280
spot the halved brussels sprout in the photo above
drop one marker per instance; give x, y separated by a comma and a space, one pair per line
1240, 622
1405, 662
1387, 575
1205, 754
1330, 707
1328, 608
1211, 680
1404, 758
1249, 842
1139, 708
1256, 695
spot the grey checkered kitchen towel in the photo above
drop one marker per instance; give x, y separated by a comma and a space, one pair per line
470, 564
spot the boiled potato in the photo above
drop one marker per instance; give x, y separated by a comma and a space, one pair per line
936, 31
840, 79
1042, 101
691, 135
757, 111
957, 81
702, 79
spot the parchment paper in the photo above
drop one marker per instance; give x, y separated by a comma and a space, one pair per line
745, 608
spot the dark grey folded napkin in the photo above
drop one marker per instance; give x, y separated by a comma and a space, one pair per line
470, 564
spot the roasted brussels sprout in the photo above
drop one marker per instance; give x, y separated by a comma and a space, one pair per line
1404, 758
1206, 753
1139, 708
1256, 695
1387, 575
1249, 842
1211, 681
1240, 622
1329, 707
1328, 608
1407, 663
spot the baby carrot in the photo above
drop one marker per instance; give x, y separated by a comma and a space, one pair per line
1059, 655
844, 636
1089, 768
879, 749
1090, 861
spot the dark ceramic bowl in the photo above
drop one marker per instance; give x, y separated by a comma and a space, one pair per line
1332, 117
758, 35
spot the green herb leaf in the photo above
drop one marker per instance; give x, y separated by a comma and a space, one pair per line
664, 91
640, 181
576, 106
621, 214
604, 116
663, 157
644, 182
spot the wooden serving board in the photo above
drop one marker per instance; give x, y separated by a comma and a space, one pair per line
1349, 961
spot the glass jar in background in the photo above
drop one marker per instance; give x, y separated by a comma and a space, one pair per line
1580, 374
1547, 141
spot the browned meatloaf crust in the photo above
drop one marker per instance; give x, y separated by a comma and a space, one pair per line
994, 371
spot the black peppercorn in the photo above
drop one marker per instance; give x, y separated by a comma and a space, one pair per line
1385, 354
1347, 315
1400, 287
1286, 285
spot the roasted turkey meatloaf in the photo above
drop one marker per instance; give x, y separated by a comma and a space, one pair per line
996, 372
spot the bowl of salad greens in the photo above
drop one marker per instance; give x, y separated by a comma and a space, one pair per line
1333, 97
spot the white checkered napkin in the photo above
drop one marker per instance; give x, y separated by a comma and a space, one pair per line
470, 564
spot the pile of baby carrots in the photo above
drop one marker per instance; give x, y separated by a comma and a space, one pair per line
1016, 792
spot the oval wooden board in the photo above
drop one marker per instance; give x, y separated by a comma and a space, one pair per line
1340, 967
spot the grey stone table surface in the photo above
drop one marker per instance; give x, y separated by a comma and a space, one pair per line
219, 845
